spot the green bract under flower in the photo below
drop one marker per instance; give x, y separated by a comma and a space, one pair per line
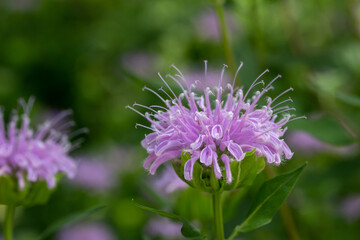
32, 194
204, 179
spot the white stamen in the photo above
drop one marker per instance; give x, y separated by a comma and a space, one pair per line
135, 110
140, 105
150, 90
140, 125
222, 74
167, 85
236, 73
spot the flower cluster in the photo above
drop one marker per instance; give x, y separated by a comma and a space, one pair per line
216, 127
35, 155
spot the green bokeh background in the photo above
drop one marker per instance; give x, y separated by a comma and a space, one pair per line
80, 55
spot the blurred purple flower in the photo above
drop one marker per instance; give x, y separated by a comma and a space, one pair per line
168, 182
207, 25
163, 227
35, 155
139, 63
210, 128
94, 175
350, 208
87, 231
305, 143
99, 171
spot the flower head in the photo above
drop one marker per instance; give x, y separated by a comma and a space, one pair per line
32, 156
216, 127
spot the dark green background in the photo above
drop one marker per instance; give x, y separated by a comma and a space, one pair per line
77, 54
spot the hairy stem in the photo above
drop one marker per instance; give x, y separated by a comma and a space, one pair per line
218, 217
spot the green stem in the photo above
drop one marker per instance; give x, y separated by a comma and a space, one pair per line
230, 59
8, 224
218, 217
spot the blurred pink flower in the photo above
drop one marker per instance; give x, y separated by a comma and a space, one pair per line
36, 154
207, 26
99, 171
168, 182
303, 142
87, 231
350, 208
138, 63
163, 227
94, 175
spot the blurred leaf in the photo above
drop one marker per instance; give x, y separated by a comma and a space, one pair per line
232, 200
188, 229
349, 99
155, 195
33, 193
326, 129
10, 192
68, 220
194, 205
269, 199
39, 193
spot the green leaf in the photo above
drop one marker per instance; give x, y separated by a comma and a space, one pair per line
66, 221
245, 171
33, 193
10, 192
38, 193
249, 170
178, 165
269, 199
188, 230
349, 99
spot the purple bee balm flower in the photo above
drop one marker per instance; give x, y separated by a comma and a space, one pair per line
35, 155
216, 127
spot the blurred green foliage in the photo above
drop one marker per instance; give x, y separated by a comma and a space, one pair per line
88, 56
